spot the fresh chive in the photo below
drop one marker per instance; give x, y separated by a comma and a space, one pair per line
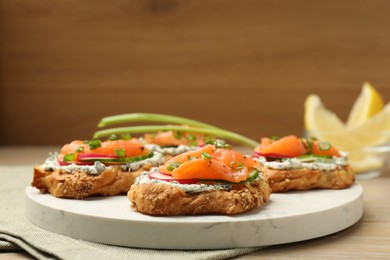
206, 156
69, 157
274, 138
113, 137
309, 146
190, 157
324, 145
80, 149
173, 166
236, 165
221, 144
218, 143
126, 136
94, 144
191, 137
177, 134
120, 152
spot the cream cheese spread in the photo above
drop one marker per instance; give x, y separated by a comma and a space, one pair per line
171, 150
318, 164
51, 164
190, 188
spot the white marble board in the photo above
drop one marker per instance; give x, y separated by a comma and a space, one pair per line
288, 217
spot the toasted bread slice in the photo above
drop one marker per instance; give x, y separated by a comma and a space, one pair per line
163, 198
306, 179
80, 184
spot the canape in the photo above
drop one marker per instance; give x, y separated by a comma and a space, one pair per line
211, 180
292, 163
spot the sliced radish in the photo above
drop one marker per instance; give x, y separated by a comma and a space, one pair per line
270, 155
165, 177
95, 156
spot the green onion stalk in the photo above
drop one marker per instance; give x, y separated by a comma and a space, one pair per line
149, 117
221, 133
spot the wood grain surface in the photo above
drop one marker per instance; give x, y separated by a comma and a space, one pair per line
242, 65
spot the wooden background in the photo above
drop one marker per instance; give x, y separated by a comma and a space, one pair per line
242, 65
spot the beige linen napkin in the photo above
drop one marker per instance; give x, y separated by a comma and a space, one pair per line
18, 233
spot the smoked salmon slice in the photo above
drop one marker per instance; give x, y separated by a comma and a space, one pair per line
210, 163
174, 138
292, 146
115, 148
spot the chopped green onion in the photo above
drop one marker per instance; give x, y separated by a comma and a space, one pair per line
113, 137
69, 157
221, 144
85, 141
274, 138
94, 144
80, 149
324, 146
120, 152
177, 134
190, 158
155, 128
206, 155
309, 146
193, 140
191, 137
236, 165
126, 136
218, 143
173, 166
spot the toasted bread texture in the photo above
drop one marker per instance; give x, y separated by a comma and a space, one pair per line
306, 179
165, 199
79, 184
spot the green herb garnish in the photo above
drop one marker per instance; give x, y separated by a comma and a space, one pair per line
113, 137
177, 134
173, 166
126, 136
236, 165
206, 156
120, 152
80, 149
94, 144
218, 143
324, 146
69, 157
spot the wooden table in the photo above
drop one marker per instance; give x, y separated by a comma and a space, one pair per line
367, 239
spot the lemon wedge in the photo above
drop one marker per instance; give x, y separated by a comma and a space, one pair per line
368, 103
326, 125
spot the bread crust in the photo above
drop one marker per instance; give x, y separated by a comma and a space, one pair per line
79, 184
165, 199
305, 179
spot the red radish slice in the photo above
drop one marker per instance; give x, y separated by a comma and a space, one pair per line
168, 178
271, 155
95, 156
